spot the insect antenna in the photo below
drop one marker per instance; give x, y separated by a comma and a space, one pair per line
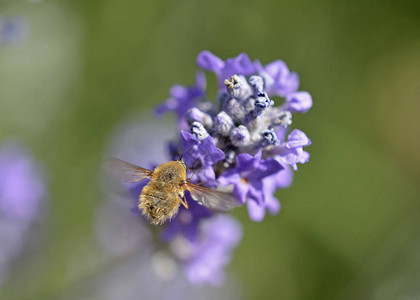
195, 172
180, 156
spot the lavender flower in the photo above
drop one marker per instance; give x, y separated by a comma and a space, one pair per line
241, 143
22, 190
203, 243
246, 125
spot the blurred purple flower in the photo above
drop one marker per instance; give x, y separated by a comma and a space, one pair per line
21, 184
187, 222
12, 29
22, 191
220, 235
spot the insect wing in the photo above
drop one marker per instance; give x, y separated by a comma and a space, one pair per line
211, 198
125, 171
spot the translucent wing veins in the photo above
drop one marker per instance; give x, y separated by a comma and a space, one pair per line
126, 171
211, 198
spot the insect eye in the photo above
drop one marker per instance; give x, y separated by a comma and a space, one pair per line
181, 161
179, 157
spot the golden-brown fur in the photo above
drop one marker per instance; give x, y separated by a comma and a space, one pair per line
161, 197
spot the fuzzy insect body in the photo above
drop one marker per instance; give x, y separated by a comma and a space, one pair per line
160, 199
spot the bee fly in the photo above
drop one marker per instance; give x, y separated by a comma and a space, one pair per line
165, 192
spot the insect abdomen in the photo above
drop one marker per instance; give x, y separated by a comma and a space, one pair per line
157, 205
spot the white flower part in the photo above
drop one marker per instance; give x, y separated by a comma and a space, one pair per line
257, 84
235, 109
240, 136
194, 114
222, 124
198, 130
233, 85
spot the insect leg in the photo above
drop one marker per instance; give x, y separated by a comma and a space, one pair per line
184, 203
195, 172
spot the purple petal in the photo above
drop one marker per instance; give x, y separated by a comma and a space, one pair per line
229, 177
268, 167
255, 192
272, 205
209, 62
281, 133
241, 187
188, 140
255, 211
294, 156
182, 98
240, 65
282, 81
199, 154
284, 178
298, 102
220, 235
187, 222
200, 81
297, 138
276, 69
240, 191
246, 161
291, 83
178, 91
213, 154
291, 152
262, 169
304, 158
206, 176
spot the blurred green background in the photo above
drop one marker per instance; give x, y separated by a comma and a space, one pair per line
349, 225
